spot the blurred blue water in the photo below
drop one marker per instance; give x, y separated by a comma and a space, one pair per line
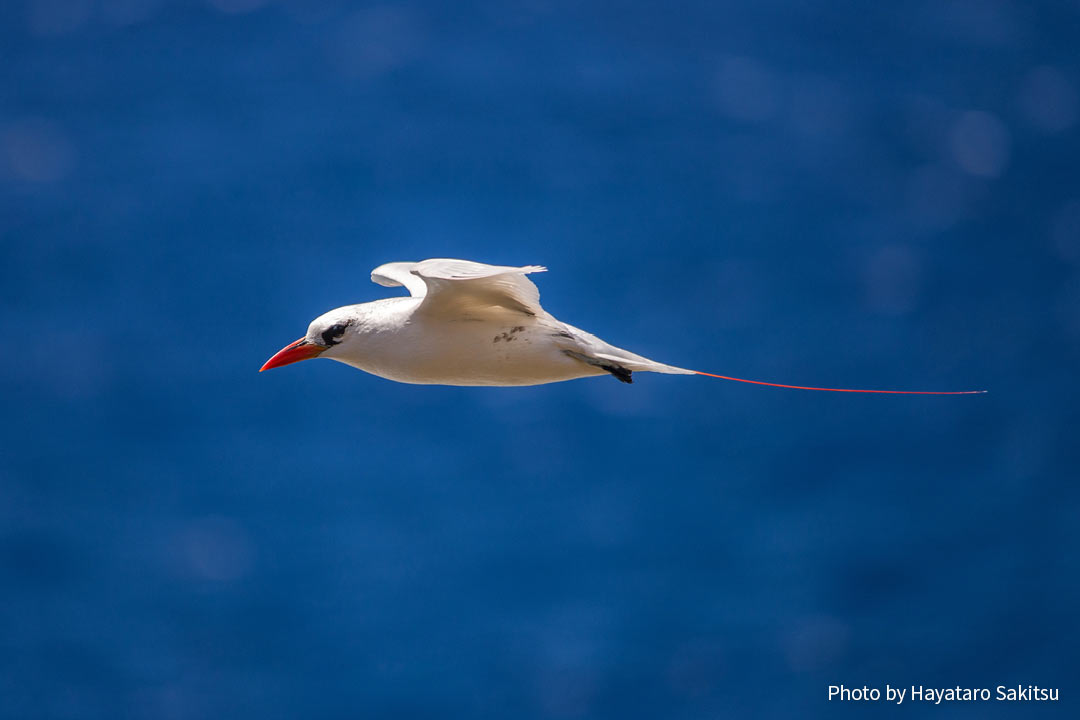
852, 194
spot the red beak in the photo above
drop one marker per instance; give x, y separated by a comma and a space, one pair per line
295, 352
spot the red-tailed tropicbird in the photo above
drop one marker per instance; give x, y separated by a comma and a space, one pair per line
467, 323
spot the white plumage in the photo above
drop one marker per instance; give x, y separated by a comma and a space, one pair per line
465, 323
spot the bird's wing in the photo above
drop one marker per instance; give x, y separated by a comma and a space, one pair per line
462, 289
396, 274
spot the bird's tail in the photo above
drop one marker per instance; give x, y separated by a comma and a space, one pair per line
621, 363
641, 364
847, 390
637, 363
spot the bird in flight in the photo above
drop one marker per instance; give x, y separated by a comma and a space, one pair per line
467, 323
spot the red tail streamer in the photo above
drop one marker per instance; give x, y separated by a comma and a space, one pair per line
823, 389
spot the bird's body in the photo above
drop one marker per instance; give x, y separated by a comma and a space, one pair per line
400, 343
466, 323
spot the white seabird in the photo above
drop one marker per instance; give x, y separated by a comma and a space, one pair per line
466, 323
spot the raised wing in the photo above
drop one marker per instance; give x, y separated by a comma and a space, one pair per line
396, 274
464, 289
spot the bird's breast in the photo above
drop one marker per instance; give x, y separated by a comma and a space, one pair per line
469, 353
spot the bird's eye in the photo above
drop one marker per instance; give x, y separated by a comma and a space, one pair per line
332, 335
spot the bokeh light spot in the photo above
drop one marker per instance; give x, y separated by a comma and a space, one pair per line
36, 150
746, 90
1048, 100
980, 144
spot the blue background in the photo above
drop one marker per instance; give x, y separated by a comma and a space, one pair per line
849, 193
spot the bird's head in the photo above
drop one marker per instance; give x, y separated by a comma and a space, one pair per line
326, 336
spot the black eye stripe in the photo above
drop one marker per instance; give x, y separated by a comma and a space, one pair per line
332, 335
